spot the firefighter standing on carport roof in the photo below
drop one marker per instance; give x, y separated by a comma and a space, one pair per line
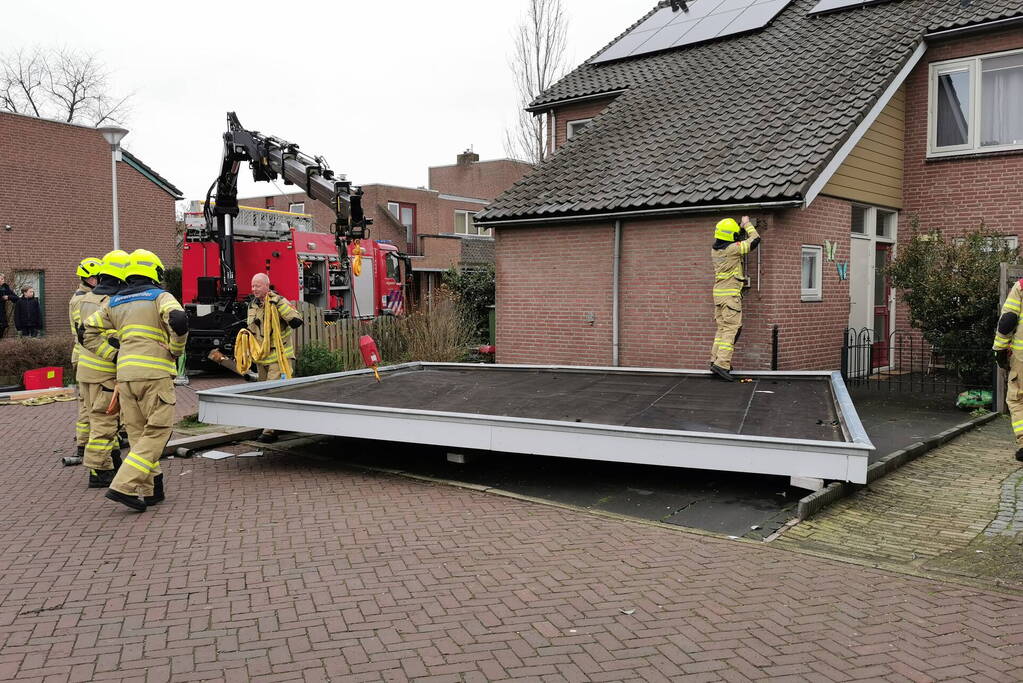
152, 328
87, 272
267, 311
732, 241
1008, 348
96, 376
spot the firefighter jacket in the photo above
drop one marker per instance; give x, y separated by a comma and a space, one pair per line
100, 366
278, 306
75, 316
148, 346
729, 278
1013, 340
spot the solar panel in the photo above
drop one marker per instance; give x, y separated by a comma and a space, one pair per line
834, 5
702, 20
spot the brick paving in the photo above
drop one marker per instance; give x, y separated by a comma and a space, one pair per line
285, 568
957, 509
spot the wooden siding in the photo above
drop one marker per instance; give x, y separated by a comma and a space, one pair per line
872, 173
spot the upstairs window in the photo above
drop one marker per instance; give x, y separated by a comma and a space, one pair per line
810, 288
297, 207
976, 105
465, 224
576, 127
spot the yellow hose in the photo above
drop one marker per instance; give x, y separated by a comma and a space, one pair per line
357, 252
248, 351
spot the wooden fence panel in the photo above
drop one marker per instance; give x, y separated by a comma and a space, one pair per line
342, 337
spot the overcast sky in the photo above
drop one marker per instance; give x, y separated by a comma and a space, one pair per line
381, 89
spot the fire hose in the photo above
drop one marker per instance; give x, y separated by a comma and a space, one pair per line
247, 350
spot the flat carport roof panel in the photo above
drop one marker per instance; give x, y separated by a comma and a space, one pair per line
795, 424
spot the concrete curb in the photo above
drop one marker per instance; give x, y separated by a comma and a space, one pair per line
817, 501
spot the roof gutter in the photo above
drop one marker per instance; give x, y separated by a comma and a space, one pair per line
537, 108
975, 28
641, 213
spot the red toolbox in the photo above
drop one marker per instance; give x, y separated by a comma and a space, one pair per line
43, 378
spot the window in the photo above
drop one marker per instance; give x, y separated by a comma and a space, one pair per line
406, 215
394, 209
976, 105
859, 219
874, 222
269, 202
810, 289
297, 207
576, 127
465, 224
884, 223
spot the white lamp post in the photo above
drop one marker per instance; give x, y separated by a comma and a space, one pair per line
114, 135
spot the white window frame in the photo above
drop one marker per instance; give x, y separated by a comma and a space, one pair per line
972, 65
292, 209
485, 232
571, 125
815, 293
870, 224
395, 210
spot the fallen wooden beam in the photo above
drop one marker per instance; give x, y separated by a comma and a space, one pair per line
37, 393
192, 443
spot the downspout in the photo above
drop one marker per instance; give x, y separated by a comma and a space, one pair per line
615, 285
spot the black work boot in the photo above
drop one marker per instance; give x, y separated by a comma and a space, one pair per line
100, 479
722, 373
115, 455
157, 496
268, 436
134, 502
122, 441
1019, 455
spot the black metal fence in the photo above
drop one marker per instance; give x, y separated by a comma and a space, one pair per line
906, 363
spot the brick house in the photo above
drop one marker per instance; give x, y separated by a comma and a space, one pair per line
55, 207
831, 122
436, 225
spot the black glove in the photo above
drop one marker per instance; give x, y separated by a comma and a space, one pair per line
178, 321
1002, 358
81, 334
295, 323
115, 342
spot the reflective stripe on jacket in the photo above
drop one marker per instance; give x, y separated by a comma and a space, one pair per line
149, 347
286, 312
729, 277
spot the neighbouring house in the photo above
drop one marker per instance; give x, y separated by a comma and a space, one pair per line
56, 207
436, 225
835, 123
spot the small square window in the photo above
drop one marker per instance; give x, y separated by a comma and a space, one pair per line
810, 286
297, 207
576, 127
859, 219
884, 223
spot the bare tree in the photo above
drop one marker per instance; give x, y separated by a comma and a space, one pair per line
62, 84
538, 61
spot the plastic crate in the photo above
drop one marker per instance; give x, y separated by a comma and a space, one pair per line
43, 378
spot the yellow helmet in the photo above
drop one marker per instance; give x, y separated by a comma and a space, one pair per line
89, 267
115, 264
145, 263
726, 230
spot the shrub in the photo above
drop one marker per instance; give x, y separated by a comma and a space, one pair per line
28, 353
172, 281
317, 359
951, 288
473, 289
437, 335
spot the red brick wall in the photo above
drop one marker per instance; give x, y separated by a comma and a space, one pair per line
480, 179
439, 252
55, 193
549, 277
959, 193
574, 112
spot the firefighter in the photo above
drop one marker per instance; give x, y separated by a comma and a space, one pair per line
152, 329
269, 311
88, 271
96, 375
1008, 348
732, 241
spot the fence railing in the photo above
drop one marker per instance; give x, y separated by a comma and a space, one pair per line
906, 363
343, 336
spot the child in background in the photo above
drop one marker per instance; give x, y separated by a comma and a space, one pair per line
28, 317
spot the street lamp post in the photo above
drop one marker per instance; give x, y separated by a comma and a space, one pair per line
114, 135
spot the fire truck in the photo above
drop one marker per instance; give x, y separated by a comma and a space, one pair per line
226, 244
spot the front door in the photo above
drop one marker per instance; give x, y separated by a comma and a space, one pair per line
882, 312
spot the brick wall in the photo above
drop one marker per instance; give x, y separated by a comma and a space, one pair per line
55, 194
478, 179
549, 278
439, 251
574, 112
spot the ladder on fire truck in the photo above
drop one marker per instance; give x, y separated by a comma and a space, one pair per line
262, 225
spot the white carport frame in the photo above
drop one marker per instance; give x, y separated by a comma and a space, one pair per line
847, 460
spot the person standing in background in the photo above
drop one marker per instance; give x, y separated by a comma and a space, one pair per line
6, 295
28, 317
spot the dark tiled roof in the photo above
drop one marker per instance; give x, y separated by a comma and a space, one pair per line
753, 118
148, 171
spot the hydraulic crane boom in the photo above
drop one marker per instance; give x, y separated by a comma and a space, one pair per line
270, 158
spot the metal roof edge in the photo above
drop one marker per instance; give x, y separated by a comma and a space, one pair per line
574, 100
974, 28
640, 213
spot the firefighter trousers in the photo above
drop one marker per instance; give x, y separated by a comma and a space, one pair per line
147, 411
102, 427
1014, 397
271, 371
82, 425
728, 321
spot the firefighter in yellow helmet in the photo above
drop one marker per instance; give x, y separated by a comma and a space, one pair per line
268, 311
732, 241
96, 375
152, 329
1008, 348
87, 272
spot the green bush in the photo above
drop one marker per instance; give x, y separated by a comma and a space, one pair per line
29, 353
474, 290
317, 359
951, 288
172, 281
438, 335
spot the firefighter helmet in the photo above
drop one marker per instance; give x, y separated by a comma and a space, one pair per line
726, 230
115, 264
145, 263
89, 267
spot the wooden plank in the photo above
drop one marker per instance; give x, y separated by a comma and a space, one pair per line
206, 440
37, 393
857, 166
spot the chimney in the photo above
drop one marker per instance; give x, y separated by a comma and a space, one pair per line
468, 157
